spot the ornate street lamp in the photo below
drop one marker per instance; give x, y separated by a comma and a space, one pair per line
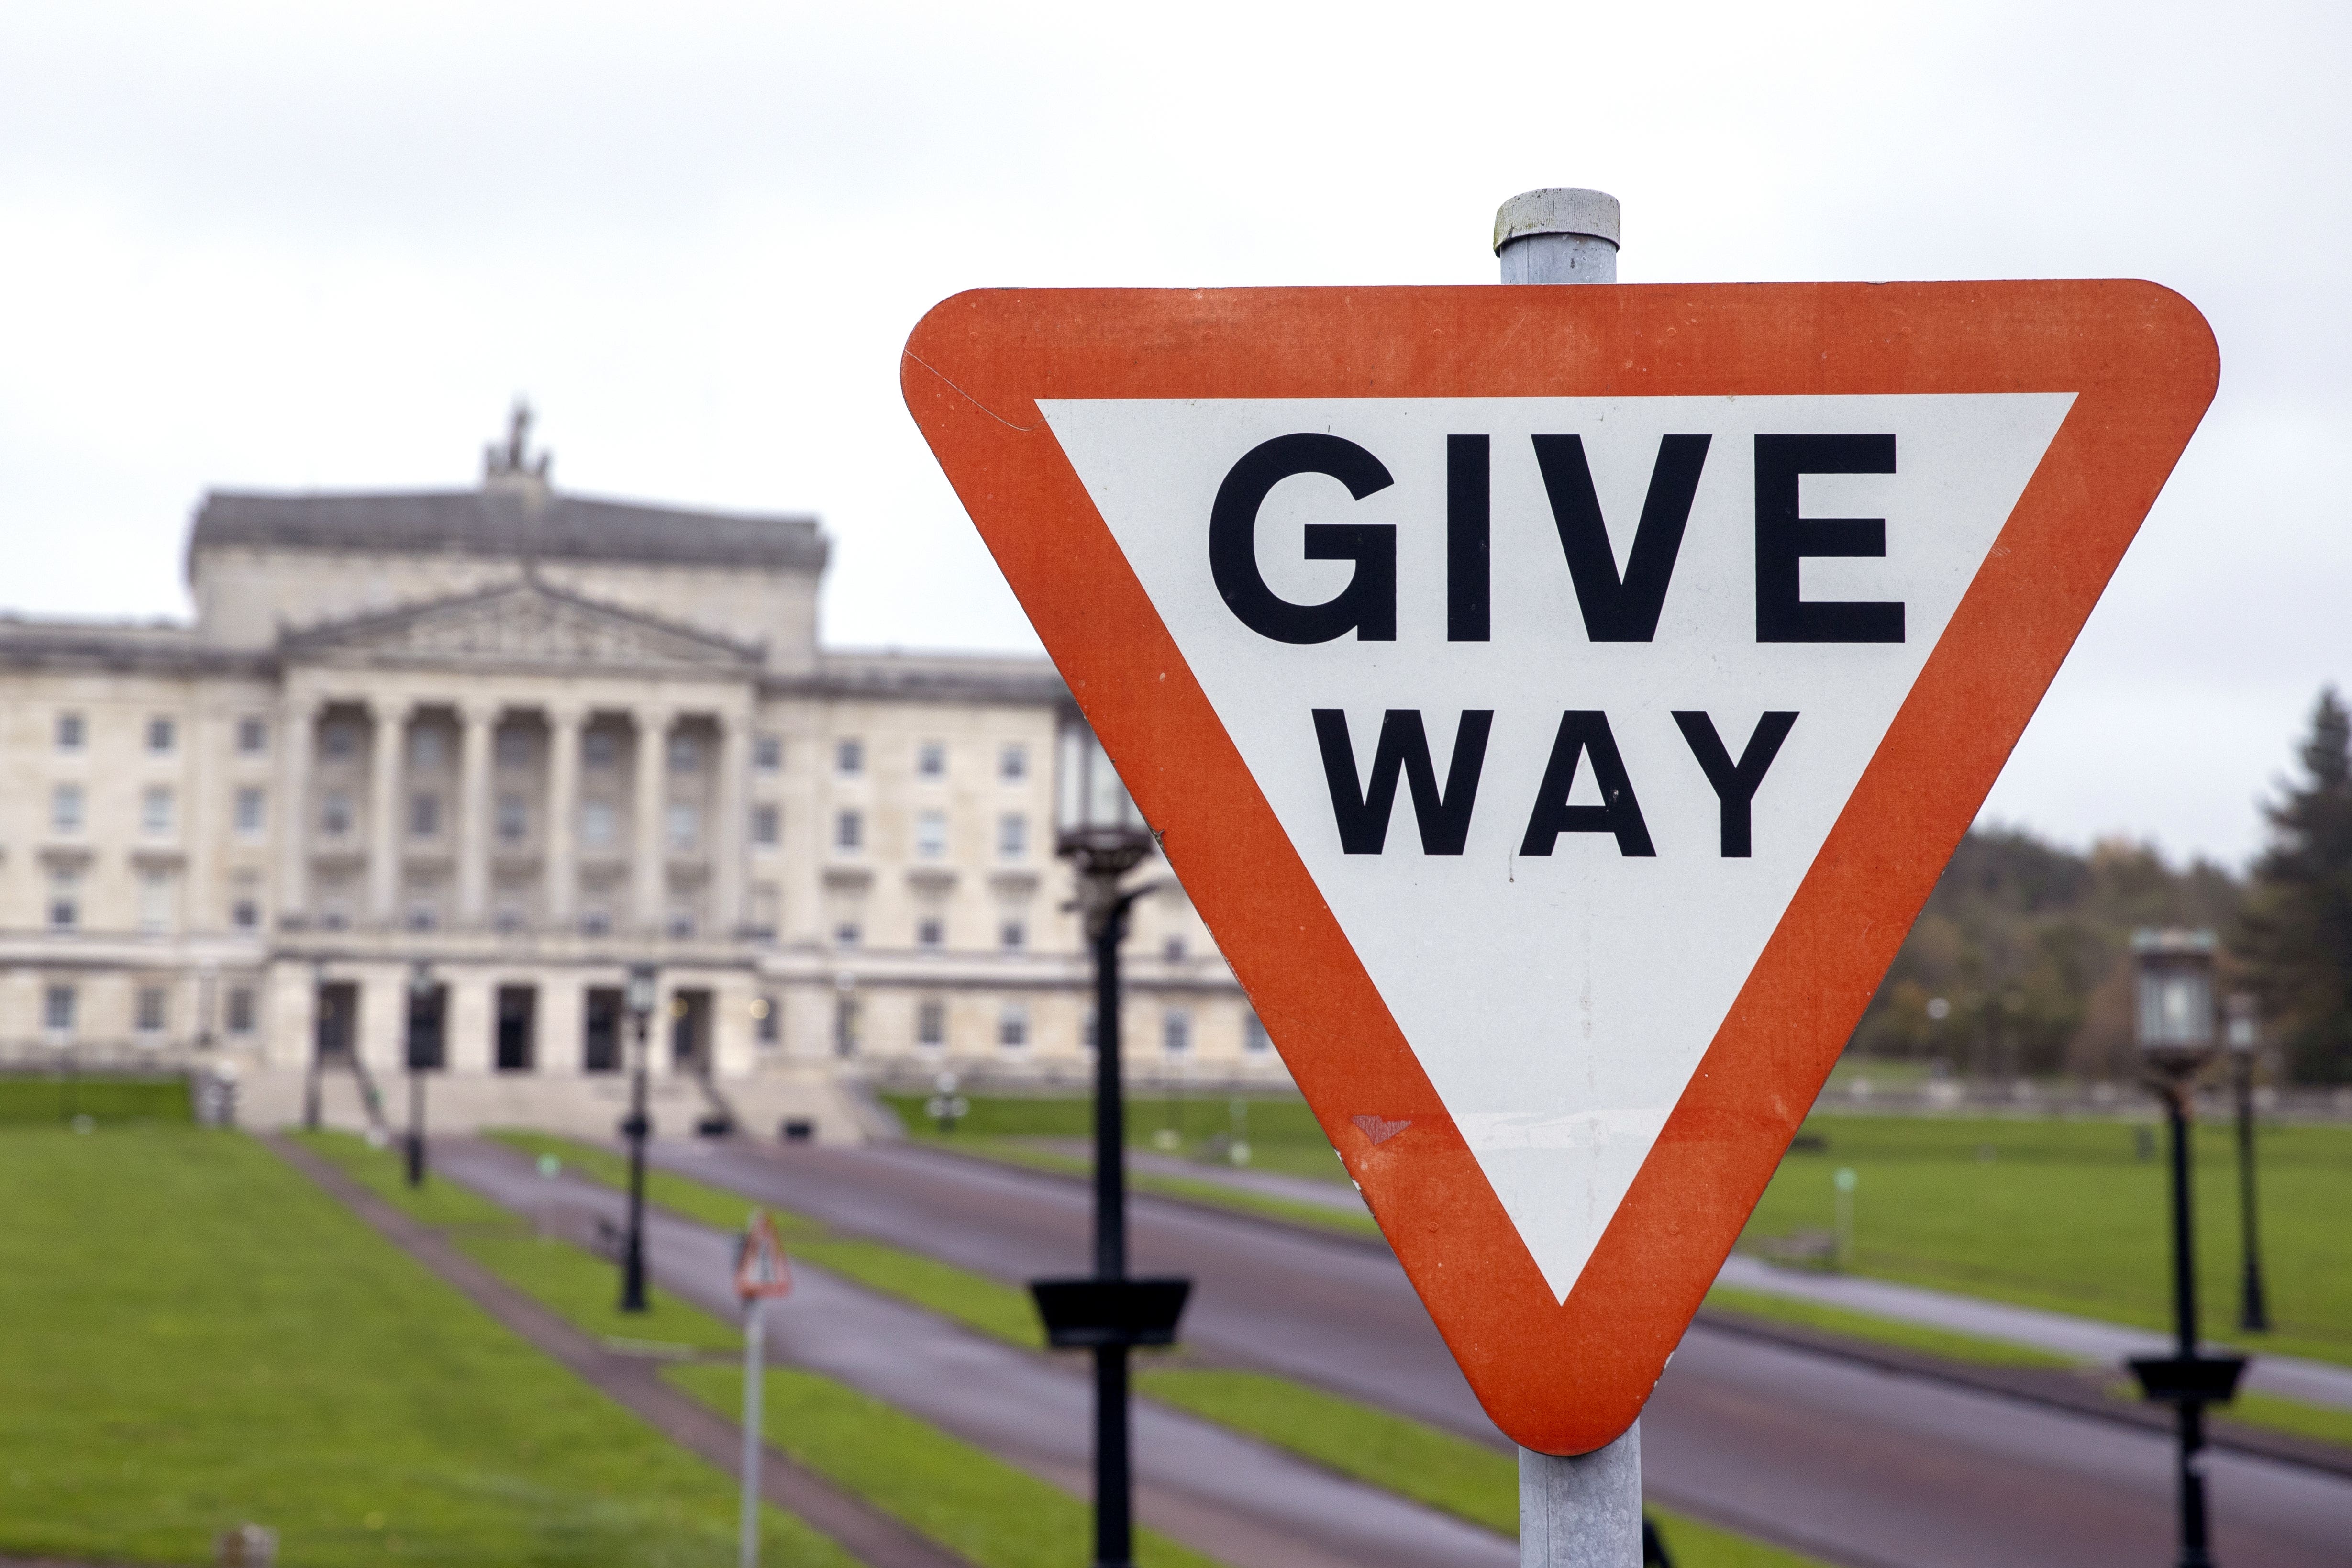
2175, 997
2244, 1037
1103, 835
640, 997
422, 1023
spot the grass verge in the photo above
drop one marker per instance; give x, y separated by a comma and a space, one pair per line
1395, 1454
994, 1308
55, 1100
199, 1337
972, 1503
1881, 1330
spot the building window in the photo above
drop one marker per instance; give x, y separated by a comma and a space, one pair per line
65, 809
845, 1022
931, 1024
1012, 1026
73, 733
514, 819
767, 822
848, 831
931, 931
423, 815
600, 748
685, 827
252, 735
163, 734
1013, 763
244, 915
1011, 837
508, 918
930, 834
849, 758
1253, 1037
597, 822
1012, 936
1172, 950
148, 1010
58, 1009
848, 934
156, 810
764, 1020
334, 915
156, 898
680, 923
931, 759
512, 747
335, 814
768, 753
595, 923
423, 916
427, 749
249, 818
64, 901
685, 753
1175, 1031
236, 1011
339, 739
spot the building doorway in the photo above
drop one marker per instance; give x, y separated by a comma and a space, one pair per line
689, 1032
339, 1017
600, 1045
428, 1040
516, 1007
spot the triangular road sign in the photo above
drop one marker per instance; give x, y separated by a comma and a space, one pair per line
760, 1271
1559, 702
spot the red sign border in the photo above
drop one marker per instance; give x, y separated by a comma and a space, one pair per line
1564, 1378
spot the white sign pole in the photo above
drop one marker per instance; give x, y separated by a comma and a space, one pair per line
754, 1398
1583, 1512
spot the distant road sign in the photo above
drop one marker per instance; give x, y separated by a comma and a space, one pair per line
760, 1271
1559, 702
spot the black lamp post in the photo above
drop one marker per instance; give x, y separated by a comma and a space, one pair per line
640, 997
1109, 1313
2175, 1011
421, 1023
2243, 1035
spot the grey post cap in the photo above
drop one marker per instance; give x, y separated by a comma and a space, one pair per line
1562, 209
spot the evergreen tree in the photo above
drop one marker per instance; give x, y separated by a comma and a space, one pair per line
2296, 933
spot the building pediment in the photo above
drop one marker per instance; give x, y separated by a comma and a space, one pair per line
525, 624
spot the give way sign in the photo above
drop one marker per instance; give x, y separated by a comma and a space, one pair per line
1559, 702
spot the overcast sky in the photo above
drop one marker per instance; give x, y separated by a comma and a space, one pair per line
298, 246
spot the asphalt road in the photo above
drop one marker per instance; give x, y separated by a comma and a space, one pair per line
1862, 1467
1227, 1496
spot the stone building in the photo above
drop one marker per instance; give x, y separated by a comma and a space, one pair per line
524, 738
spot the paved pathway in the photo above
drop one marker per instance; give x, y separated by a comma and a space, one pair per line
1238, 1500
1855, 1464
2060, 1333
870, 1535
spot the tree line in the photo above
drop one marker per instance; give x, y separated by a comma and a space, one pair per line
2019, 965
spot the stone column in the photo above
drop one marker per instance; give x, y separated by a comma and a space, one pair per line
729, 833
297, 741
477, 720
563, 726
649, 860
383, 809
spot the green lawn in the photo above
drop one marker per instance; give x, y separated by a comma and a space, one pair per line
2063, 1215
200, 1337
1879, 1330
1462, 1478
55, 1100
998, 1516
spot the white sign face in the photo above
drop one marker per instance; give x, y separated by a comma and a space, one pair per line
1557, 700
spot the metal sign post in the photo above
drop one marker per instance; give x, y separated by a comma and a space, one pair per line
761, 1275
1582, 1511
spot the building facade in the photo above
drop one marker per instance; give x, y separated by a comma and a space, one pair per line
425, 773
